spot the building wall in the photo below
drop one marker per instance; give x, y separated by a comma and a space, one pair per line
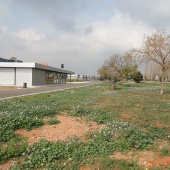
23, 75
20, 73
38, 77
7, 76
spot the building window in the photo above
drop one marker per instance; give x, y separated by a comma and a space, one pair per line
55, 77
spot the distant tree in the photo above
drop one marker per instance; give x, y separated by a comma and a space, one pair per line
112, 68
107, 73
156, 48
137, 77
117, 62
128, 71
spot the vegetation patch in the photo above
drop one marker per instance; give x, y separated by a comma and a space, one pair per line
53, 121
146, 125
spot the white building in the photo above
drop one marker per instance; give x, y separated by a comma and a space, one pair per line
15, 73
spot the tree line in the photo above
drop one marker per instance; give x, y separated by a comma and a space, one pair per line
154, 52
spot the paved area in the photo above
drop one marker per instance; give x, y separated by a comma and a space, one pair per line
10, 93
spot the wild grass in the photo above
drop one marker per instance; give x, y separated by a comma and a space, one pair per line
148, 117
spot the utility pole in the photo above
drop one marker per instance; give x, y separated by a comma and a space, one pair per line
75, 63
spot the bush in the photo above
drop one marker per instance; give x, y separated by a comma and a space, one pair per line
137, 77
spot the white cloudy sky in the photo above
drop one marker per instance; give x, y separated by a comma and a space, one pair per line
78, 33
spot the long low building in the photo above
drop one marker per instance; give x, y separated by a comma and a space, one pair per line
32, 74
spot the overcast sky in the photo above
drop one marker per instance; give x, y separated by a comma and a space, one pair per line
80, 34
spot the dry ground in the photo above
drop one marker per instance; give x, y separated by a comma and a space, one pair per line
70, 126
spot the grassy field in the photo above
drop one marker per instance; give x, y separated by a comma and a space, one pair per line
135, 116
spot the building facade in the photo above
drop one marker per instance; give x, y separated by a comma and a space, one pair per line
15, 73
79, 77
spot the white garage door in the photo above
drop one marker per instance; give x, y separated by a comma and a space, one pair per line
7, 76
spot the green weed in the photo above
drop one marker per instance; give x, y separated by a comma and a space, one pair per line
165, 151
53, 121
142, 102
110, 164
13, 148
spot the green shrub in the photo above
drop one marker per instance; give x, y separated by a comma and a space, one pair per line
137, 77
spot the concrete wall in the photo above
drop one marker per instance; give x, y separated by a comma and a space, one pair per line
38, 77
7, 76
23, 75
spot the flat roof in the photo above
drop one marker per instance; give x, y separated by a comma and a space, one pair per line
33, 65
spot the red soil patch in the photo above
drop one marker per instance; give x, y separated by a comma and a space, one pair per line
158, 124
85, 168
5, 166
141, 158
144, 158
67, 127
125, 115
162, 162
90, 166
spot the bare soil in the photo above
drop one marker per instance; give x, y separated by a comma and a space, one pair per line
5, 166
125, 115
144, 158
70, 126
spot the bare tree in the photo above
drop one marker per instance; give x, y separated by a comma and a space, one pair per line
156, 48
107, 74
117, 62
146, 72
112, 68
152, 71
156, 71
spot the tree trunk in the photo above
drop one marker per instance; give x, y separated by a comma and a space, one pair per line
121, 81
113, 84
121, 78
162, 81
